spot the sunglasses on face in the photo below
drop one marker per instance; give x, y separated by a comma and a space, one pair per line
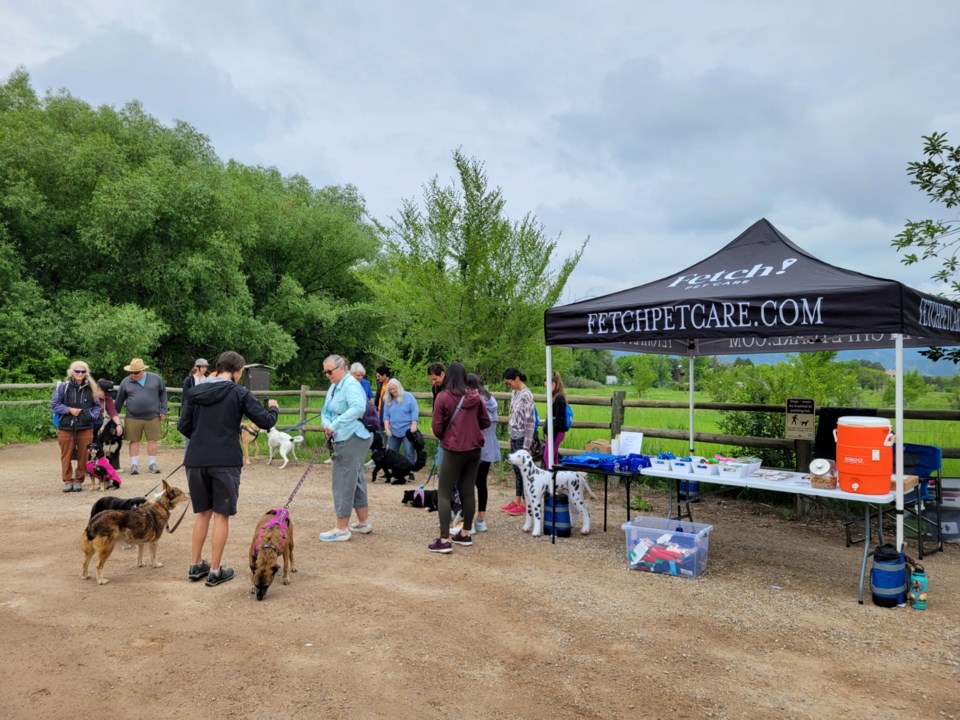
80, 372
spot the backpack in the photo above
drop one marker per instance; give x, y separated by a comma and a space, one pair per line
569, 422
371, 418
58, 393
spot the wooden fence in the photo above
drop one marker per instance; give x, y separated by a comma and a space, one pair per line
310, 403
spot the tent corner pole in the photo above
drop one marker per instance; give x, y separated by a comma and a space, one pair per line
690, 387
898, 413
549, 438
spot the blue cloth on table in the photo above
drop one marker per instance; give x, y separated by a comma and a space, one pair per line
609, 463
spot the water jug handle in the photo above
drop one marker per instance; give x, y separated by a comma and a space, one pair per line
834, 434
888, 441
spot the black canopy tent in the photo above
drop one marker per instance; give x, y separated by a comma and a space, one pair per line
759, 294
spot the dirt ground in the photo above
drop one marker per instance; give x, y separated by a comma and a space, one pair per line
513, 627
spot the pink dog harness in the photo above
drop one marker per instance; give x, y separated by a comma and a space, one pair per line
279, 519
103, 469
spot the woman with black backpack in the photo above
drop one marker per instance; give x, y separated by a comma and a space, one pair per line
76, 412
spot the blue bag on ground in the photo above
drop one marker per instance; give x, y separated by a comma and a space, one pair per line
888, 578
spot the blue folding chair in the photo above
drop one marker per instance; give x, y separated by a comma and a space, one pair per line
926, 462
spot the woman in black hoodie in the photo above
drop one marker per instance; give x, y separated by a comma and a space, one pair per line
214, 410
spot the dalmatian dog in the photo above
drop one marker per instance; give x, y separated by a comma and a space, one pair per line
536, 484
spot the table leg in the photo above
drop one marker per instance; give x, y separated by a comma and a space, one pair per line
627, 480
605, 481
866, 549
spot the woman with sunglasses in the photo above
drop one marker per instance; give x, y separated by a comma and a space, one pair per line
75, 405
349, 440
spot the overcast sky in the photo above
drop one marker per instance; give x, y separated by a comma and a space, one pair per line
659, 130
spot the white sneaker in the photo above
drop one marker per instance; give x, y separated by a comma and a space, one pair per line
328, 461
364, 528
335, 536
370, 464
479, 526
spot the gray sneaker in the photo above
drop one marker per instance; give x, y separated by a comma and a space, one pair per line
134, 470
154, 469
68, 487
223, 576
78, 487
198, 571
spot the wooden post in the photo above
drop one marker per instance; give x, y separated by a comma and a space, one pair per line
804, 451
303, 403
804, 454
617, 413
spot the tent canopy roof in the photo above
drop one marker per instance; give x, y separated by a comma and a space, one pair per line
760, 293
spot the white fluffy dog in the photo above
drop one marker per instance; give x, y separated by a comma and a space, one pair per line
284, 444
536, 483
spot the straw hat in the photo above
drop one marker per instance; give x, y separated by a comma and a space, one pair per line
135, 366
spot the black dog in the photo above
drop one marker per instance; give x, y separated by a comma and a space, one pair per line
416, 439
428, 499
396, 468
111, 443
115, 503
421, 499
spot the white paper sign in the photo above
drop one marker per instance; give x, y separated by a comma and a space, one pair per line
630, 443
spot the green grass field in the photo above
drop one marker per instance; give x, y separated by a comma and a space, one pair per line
30, 423
925, 432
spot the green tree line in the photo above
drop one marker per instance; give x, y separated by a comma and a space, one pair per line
122, 237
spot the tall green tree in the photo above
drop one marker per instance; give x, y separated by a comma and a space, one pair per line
937, 175
122, 236
462, 281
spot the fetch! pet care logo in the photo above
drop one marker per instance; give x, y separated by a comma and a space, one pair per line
723, 278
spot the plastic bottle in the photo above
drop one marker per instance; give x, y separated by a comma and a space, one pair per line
918, 588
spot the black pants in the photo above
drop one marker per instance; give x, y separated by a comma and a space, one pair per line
457, 470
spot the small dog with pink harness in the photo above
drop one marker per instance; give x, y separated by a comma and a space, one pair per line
272, 539
101, 472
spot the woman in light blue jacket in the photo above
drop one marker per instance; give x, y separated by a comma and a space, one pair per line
400, 415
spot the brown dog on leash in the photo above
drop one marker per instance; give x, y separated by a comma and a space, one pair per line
248, 437
138, 526
272, 538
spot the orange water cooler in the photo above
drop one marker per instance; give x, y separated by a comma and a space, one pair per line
864, 454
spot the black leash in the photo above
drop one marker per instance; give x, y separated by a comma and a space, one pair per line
185, 507
162, 481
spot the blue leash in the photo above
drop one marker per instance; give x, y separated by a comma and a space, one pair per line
301, 424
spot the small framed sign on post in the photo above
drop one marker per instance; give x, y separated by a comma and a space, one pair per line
800, 419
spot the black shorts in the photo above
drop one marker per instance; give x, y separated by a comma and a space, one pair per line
214, 488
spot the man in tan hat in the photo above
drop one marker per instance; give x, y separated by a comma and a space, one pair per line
145, 397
